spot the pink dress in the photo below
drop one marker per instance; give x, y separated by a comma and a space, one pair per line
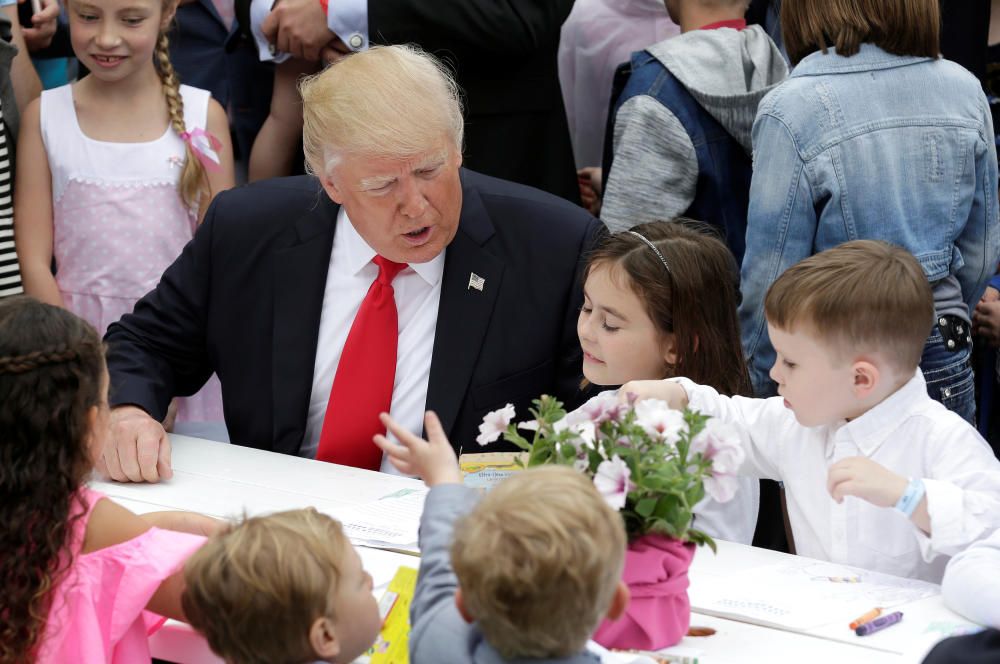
98, 611
118, 219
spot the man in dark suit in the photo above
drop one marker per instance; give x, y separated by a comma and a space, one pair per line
271, 291
504, 57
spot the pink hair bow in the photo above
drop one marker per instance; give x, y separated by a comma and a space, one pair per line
204, 146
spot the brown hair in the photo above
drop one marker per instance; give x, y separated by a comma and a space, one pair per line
538, 562
194, 179
51, 375
901, 27
279, 570
695, 299
861, 296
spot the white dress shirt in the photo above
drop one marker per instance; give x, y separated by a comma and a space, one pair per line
971, 583
417, 291
908, 433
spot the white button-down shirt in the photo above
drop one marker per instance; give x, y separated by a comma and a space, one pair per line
908, 433
971, 583
417, 290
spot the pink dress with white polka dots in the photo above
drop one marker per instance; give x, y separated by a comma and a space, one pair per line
118, 219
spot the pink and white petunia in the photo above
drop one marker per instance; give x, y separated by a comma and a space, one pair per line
659, 420
613, 481
720, 443
494, 424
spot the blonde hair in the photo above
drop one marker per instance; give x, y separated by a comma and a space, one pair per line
279, 570
861, 296
194, 179
388, 101
538, 562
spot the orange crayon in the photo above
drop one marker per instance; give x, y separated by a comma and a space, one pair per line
868, 617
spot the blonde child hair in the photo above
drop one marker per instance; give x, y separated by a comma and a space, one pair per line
859, 297
538, 562
279, 570
194, 178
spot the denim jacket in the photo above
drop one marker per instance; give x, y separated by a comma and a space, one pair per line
871, 146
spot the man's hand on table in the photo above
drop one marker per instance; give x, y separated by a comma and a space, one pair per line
433, 460
138, 451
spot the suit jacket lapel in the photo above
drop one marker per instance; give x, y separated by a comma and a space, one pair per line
464, 312
300, 271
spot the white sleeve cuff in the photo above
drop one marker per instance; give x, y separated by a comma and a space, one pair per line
259, 9
349, 21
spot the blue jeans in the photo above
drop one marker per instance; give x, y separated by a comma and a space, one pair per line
949, 376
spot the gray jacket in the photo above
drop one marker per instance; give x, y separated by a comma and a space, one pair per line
439, 635
728, 72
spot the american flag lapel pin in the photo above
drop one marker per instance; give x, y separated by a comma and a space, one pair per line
477, 282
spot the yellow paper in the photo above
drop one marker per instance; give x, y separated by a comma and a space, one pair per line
484, 471
392, 645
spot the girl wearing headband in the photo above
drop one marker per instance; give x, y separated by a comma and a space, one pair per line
660, 301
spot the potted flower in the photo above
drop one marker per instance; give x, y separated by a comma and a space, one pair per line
652, 464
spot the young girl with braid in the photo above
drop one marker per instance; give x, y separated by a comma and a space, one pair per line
116, 170
83, 579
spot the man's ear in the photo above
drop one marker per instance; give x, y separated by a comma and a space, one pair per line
866, 378
619, 602
323, 639
331, 189
460, 605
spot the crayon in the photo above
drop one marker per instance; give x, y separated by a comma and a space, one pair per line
879, 624
867, 617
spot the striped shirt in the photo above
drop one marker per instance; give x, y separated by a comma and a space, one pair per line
10, 276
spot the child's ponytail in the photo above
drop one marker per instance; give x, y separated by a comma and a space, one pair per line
194, 179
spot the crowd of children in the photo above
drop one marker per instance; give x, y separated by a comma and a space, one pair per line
848, 227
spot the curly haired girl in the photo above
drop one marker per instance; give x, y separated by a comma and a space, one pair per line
71, 560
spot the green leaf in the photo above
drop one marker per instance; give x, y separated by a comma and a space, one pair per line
645, 506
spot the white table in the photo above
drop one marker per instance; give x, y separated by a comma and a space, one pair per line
226, 480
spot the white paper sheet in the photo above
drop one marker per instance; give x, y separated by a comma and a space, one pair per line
803, 594
391, 522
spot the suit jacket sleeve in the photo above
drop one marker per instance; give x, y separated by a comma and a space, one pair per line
159, 351
507, 28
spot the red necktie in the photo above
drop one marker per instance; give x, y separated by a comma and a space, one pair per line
362, 387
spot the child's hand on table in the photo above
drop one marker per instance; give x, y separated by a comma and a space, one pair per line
433, 460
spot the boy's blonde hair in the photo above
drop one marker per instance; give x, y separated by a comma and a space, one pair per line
538, 562
255, 589
861, 296
388, 101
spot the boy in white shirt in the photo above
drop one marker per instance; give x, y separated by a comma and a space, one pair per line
876, 473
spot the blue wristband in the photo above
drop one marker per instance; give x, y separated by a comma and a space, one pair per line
911, 497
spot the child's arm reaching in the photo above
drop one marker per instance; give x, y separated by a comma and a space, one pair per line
433, 606
872, 482
33, 232
432, 460
161, 571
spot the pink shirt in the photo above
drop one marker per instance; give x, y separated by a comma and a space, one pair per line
98, 611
